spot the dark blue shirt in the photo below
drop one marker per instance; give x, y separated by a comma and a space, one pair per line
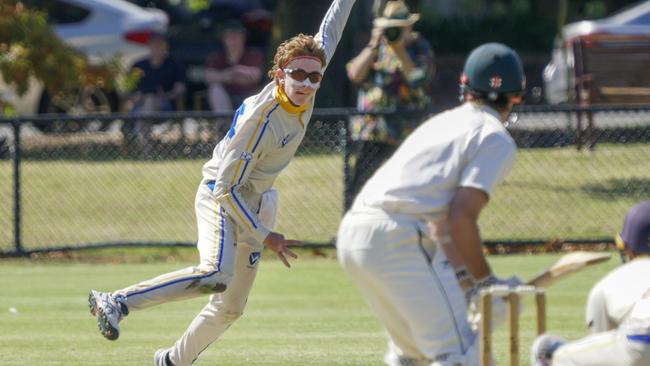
161, 78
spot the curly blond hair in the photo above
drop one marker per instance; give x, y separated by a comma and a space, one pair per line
300, 45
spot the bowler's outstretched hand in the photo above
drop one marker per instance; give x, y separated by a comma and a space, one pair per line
277, 243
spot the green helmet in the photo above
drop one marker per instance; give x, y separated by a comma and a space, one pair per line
491, 70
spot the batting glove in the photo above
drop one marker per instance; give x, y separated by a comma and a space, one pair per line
499, 306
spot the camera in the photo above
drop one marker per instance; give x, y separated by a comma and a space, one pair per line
392, 34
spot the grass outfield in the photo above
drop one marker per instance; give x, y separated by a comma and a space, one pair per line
308, 315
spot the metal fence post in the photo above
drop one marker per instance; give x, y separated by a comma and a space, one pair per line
344, 135
15, 158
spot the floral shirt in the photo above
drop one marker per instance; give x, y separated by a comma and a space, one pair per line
386, 87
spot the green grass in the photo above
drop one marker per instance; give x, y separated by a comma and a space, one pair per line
551, 193
568, 194
67, 202
308, 315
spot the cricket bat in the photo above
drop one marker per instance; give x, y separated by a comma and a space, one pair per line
567, 264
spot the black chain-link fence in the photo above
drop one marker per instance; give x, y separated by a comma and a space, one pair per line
113, 180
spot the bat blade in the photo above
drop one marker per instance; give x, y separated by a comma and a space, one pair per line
567, 264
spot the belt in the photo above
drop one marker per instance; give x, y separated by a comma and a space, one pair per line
644, 338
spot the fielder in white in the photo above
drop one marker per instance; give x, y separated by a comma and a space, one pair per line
426, 197
618, 309
235, 203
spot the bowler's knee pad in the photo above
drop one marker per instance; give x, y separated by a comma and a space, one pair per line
215, 282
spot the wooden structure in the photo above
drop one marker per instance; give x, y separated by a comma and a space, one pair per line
609, 70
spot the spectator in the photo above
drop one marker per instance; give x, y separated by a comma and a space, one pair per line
234, 73
160, 86
161, 82
393, 71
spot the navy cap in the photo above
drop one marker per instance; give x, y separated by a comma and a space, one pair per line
636, 228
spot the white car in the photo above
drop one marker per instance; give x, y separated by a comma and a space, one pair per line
632, 23
101, 29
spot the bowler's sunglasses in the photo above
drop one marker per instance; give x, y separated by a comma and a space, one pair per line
300, 75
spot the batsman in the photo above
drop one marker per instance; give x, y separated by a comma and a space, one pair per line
235, 203
428, 196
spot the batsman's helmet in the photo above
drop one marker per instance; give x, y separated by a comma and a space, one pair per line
491, 70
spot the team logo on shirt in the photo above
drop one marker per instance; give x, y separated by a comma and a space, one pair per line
246, 156
254, 258
285, 140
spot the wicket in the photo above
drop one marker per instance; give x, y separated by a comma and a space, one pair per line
512, 296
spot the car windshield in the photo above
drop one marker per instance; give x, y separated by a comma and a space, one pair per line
638, 14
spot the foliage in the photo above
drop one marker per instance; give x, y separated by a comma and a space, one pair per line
30, 49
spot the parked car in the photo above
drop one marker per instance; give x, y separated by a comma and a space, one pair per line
101, 29
617, 47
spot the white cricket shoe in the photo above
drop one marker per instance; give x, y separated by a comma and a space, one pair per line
108, 313
159, 358
541, 352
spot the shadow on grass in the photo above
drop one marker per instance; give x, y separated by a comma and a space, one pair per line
613, 189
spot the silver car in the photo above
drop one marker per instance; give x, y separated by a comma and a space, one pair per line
101, 29
632, 23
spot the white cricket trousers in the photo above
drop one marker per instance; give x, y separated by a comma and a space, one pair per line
224, 264
415, 296
221, 311
217, 247
611, 348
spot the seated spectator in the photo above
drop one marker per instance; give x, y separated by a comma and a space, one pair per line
160, 86
161, 81
234, 73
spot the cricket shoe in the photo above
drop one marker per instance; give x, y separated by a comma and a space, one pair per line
541, 352
108, 312
160, 358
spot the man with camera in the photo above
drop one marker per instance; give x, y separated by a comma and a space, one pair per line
394, 71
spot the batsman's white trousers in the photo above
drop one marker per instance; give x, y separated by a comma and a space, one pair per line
409, 287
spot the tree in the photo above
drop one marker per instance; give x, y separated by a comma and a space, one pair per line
30, 49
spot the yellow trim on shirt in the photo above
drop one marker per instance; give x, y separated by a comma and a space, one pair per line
236, 210
250, 142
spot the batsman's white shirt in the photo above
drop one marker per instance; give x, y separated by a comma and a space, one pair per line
618, 317
464, 147
406, 281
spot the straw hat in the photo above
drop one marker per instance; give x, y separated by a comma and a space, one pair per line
396, 14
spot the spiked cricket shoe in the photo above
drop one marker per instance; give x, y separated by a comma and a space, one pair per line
108, 313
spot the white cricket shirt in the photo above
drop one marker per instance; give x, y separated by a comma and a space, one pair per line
467, 146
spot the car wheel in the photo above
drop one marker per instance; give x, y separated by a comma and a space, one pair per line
86, 100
